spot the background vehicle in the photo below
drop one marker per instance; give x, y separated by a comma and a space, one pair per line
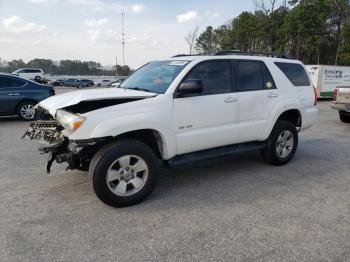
341, 102
118, 81
18, 96
326, 78
30, 73
72, 82
177, 111
58, 82
88, 82
105, 82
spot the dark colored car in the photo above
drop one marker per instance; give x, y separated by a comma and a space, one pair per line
18, 96
89, 82
72, 82
58, 82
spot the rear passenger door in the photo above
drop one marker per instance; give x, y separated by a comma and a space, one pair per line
257, 94
208, 119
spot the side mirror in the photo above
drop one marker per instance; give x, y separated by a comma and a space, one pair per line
190, 87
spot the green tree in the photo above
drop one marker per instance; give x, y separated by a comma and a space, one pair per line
207, 42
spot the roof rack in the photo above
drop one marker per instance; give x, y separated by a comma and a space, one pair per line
179, 55
238, 52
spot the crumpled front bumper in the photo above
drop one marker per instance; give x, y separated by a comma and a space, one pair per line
48, 133
77, 153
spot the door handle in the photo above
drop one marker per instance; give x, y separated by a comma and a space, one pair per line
230, 99
272, 95
13, 94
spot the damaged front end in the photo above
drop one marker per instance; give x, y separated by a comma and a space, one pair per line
48, 133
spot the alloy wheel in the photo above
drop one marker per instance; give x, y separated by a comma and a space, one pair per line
127, 175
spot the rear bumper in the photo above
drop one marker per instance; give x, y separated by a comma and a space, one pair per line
341, 106
309, 117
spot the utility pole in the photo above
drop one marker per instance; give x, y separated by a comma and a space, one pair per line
123, 38
116, 65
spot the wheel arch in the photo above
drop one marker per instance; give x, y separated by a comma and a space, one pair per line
151, 137
291, 115
287, 113
25, 100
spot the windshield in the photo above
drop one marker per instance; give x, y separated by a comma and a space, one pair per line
155, 77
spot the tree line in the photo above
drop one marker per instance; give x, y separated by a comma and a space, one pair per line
313, 31
65, 67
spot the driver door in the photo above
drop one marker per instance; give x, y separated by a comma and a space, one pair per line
208, 119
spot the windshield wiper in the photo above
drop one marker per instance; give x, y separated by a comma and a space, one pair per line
139, 89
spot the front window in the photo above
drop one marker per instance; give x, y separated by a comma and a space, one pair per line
155, 77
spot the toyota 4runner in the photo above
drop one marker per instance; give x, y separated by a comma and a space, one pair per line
176, 111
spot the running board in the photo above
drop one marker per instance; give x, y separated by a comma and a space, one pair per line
214, 153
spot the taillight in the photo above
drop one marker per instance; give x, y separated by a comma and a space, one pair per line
315, 96
335, 94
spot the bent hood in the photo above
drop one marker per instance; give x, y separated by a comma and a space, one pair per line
53, 103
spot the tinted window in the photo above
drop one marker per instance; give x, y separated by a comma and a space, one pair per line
295, 73
249, 76
32, 71
5, 82
18, 82
215, 75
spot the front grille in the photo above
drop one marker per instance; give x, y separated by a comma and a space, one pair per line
46, 132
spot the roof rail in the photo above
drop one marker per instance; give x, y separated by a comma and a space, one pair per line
248, 53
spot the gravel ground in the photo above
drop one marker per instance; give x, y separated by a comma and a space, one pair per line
231, 209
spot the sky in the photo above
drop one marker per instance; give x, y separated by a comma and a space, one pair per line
90, 30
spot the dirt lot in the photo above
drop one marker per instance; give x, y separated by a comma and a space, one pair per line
232, 209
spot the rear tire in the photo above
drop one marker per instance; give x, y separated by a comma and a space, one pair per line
344, 118
25, 111
281, 145
124, 173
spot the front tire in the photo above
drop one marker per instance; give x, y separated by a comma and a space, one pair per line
281, 145
124, 173
344, 118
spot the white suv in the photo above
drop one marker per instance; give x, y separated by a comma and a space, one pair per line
176, 111
30, 73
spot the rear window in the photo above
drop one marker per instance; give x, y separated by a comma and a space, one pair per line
295, 73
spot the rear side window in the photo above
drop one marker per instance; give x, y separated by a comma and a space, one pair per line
17, 82
5, 82
215, 75
295, 73
253, 76
8, 82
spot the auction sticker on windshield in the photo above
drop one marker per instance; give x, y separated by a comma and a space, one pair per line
178, 63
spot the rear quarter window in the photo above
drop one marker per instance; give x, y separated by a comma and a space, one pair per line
295, 73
